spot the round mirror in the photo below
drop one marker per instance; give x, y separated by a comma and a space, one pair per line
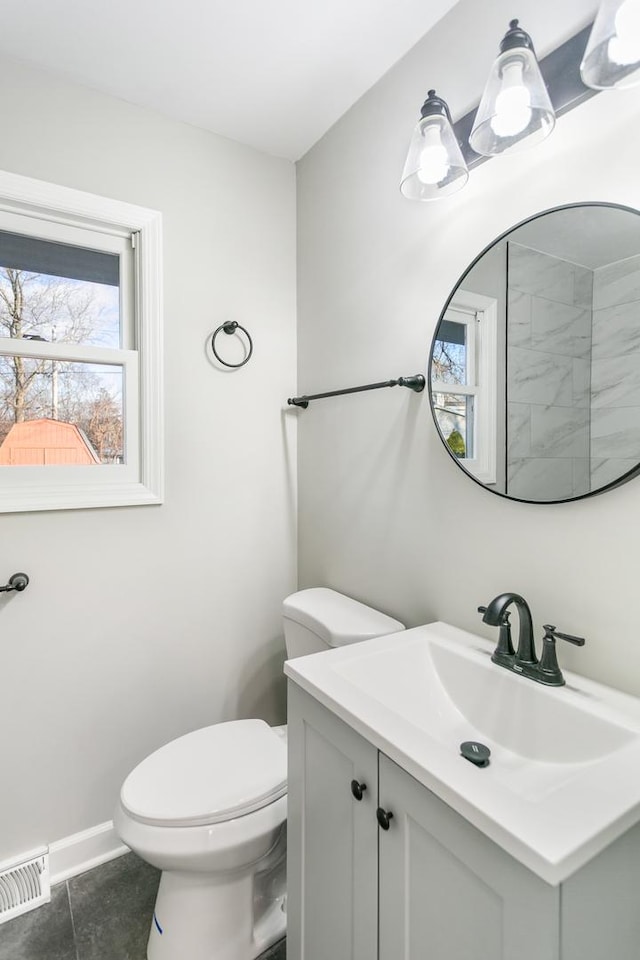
534, 371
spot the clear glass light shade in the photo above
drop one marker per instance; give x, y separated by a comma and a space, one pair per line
515, 111
435, 166
612, 57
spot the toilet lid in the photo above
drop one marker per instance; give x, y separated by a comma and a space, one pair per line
210, 775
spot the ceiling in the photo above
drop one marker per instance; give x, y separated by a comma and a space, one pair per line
273, 74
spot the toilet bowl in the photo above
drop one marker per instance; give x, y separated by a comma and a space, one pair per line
209, 810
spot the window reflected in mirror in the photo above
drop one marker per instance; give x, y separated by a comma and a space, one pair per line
462, 373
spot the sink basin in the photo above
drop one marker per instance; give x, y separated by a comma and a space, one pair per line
564, 777
444, 688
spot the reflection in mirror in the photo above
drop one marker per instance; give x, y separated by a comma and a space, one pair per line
463, 374
535, 363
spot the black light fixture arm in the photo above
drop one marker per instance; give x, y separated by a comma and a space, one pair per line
415, 383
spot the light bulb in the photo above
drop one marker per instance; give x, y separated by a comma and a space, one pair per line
624, 47
434, 166
513, 103
434, 158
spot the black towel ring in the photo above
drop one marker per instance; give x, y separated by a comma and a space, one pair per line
230, 327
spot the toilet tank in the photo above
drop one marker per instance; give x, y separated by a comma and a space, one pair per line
318, 619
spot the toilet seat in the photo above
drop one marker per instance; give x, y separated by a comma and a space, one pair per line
208, 776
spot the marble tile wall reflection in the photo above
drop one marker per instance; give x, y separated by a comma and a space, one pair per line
615, 370
617, 283
609, 470
615, 433
549, 326
531, 478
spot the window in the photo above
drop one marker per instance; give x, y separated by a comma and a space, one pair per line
80, 349
463, 369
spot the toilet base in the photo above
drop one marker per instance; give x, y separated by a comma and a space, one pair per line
199, 917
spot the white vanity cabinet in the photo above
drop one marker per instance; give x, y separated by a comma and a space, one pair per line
446, 891
431, 886
332, 856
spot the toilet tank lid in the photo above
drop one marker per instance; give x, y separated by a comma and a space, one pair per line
209, 775
336, 619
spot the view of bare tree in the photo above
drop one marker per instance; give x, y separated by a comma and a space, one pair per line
448, 362
103, 426
36, 307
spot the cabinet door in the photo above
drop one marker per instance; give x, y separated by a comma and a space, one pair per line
332, 870
449, 893
601, 904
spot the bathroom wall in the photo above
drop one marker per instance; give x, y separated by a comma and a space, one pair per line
548, 375
385, 514
615, 379
143, 623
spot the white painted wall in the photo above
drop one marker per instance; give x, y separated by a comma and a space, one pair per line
385, 514
143, 623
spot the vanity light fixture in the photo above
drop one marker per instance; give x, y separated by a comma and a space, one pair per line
612, 57
435, 166
515, 110
522, 99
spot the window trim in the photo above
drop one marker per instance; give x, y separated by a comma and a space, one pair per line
62, 488
483, 312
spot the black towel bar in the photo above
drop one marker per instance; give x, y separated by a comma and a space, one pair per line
415, 383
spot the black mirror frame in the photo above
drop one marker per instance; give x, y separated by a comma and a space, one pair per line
624, 478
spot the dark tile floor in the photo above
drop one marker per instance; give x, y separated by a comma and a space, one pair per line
101, 915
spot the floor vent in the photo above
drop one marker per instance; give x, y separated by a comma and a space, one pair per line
24, 886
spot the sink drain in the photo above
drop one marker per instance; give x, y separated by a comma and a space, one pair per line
476, 753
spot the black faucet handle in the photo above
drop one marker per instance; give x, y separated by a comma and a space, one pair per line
482, 609
548, 670
552, 634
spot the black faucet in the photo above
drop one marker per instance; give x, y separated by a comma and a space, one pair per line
495, 614
524, 660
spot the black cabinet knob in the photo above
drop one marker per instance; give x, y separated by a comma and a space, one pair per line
384, 816
357, 789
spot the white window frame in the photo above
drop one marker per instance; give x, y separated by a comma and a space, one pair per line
141, 479
480, 314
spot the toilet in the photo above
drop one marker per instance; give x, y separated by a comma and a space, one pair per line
209, 809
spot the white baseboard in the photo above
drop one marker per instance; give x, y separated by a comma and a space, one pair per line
83, 851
